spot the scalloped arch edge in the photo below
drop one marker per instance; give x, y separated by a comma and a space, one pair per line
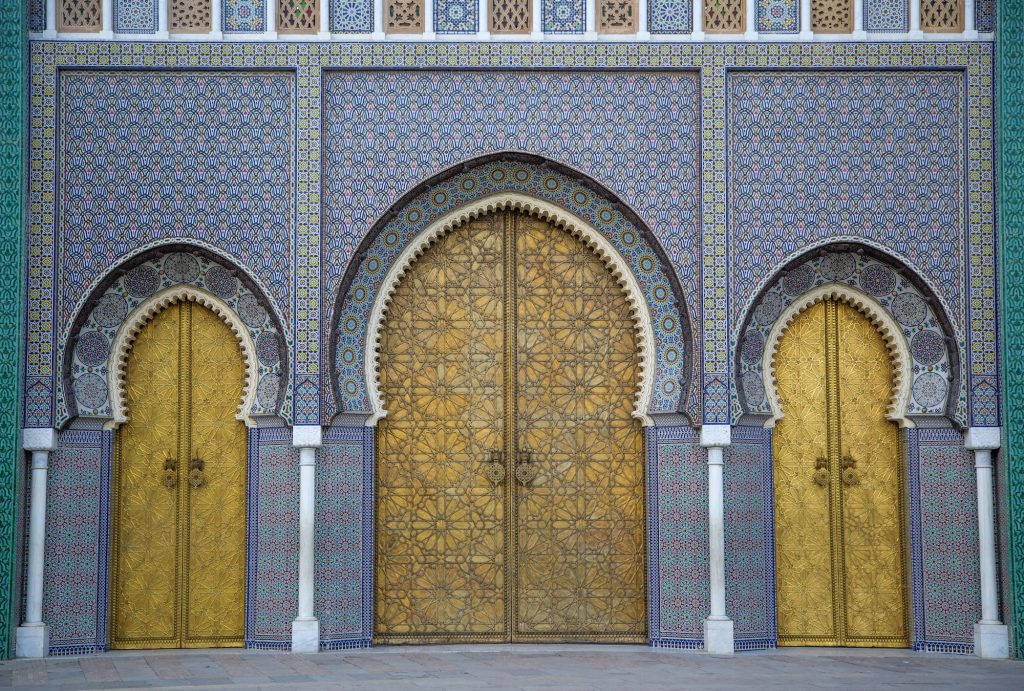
545, 210
892, 335
144, 313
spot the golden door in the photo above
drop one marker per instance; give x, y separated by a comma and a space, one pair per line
839, 512
179, 487
509, 466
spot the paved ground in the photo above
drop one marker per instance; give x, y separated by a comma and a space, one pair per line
559, 667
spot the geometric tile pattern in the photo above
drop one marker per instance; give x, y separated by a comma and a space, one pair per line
985, 15
272, 538
13, 151
896, 180
136, 16
886, 15
87, 364
36, 15
749, 538
245, 16
352, 16
339, 537
671, 340
951, 595
669, 16
683, 598
456, 16
564, 16
1010, 48
400, 146
778, 16
77, 515
933, 371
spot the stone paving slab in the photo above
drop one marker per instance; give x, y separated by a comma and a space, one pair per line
556, 667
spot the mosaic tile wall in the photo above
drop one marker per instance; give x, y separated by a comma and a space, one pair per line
671, 338
272, 575
778, 16
897, 178
344, 473
946, 549
456, 16
564, 16
136, 16
886, 15
750, 538
397, 128
352, 16
77, 535
669, 16
682, 598
934, 367
245, 16
177, 165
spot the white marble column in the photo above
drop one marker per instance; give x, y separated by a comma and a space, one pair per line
162, 13
718, 628
991, 636
306, 627
806, 34
216, 21
750, 30
428, 20
590, 20
915, 20
325, 20
107, 20
642, 34
51, 19
698, 20
858, 20
33, 636
970, 27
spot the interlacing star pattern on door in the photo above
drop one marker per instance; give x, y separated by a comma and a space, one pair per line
179, 526
839, 507
509, 470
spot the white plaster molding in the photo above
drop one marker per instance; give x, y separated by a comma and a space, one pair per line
895, 343
979, 438
544, 210
715, 435
308, 436
38, 439
144, 313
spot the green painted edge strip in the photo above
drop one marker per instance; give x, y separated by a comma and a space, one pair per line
12, 207
1010, 212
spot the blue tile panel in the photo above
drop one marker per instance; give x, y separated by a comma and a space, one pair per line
669, 16
778, 16
352, 16
456, 16
635, 133
886, 15
272, 539
136, 16
564, 16
245, 16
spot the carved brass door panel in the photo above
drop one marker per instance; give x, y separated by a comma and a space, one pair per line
179, 496
509, 467
839, 506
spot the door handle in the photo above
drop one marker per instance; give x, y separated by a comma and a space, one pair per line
850, 476
494, 469
821, 475
525, 470
170, 472
196, 476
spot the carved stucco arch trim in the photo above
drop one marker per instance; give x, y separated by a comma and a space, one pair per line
547, 211
895, 343
144, 313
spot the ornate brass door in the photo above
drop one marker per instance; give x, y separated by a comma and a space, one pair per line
509, 467
839, 511
179, 494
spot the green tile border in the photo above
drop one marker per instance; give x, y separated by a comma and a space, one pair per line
1010, 156
13, 57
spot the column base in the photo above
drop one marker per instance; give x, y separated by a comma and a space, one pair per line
991, 641
718, 638
306, 636
32, 640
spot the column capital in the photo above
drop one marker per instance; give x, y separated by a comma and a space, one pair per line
715, 435
38, 439
982, 438
307, 436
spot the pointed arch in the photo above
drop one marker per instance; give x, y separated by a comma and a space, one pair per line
895, 343
544, 210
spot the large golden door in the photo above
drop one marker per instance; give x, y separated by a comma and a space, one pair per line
179, 496
509, 466
839, 516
